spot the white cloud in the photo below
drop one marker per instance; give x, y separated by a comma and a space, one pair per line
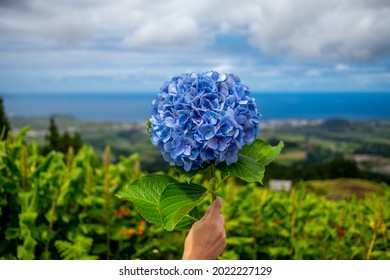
342, 67
324, 30
267, 43
225, 68
335, 30
313, 73
172, 31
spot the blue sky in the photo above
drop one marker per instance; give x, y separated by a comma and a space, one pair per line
130, 46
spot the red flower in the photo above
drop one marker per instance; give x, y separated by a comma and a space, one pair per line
142, 223
128, 232
278, 222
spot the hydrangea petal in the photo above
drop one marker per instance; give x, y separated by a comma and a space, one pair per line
199, 118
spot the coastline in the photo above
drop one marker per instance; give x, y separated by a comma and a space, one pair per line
136, 107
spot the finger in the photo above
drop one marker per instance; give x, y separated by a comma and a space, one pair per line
216, 207
221, 220
206, 215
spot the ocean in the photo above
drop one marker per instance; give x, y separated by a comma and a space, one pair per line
136, 107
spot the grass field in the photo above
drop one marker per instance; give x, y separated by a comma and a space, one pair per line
344, 188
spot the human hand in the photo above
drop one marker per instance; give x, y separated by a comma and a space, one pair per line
206, 239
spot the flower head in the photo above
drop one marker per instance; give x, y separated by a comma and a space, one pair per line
200, 118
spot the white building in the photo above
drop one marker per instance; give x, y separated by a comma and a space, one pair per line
280, 185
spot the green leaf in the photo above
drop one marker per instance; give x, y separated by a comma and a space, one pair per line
8, 185
251, 162
186, 223
44, 167
239, 241
177, 200
12, 233
279, 251
262, 152
245, 168
162, 200
12, 167
148, 127
3, 201
28, 218
22, 134
189, 175
145, 193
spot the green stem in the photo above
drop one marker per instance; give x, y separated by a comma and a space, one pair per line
293, 219
141, 251
213, 182
107, 184
51, 221
372, 243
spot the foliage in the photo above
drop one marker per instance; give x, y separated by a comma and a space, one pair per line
77, 250
5, 126
63, 207
55, 197
162, 200
301, 225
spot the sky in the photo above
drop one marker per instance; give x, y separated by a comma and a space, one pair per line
133, 46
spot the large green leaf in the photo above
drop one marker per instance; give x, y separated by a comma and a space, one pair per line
251, 162
177, 200
145, 193
44, 167
21, 135
188, 220
262, 152
162, 200
246, 168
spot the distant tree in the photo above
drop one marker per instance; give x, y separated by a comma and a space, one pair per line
343, 168
335, 168
66, 142
61, 143
77, 142
53, 137
5, 126
336, 125
382, 149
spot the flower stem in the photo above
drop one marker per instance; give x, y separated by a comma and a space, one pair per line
213, 182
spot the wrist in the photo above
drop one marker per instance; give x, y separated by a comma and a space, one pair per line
190, 256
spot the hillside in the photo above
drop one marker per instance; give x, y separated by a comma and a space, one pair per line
329, 146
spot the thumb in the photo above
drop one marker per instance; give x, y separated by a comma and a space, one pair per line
216, 207
207, 214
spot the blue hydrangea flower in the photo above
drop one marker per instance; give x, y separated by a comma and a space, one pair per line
202, 118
